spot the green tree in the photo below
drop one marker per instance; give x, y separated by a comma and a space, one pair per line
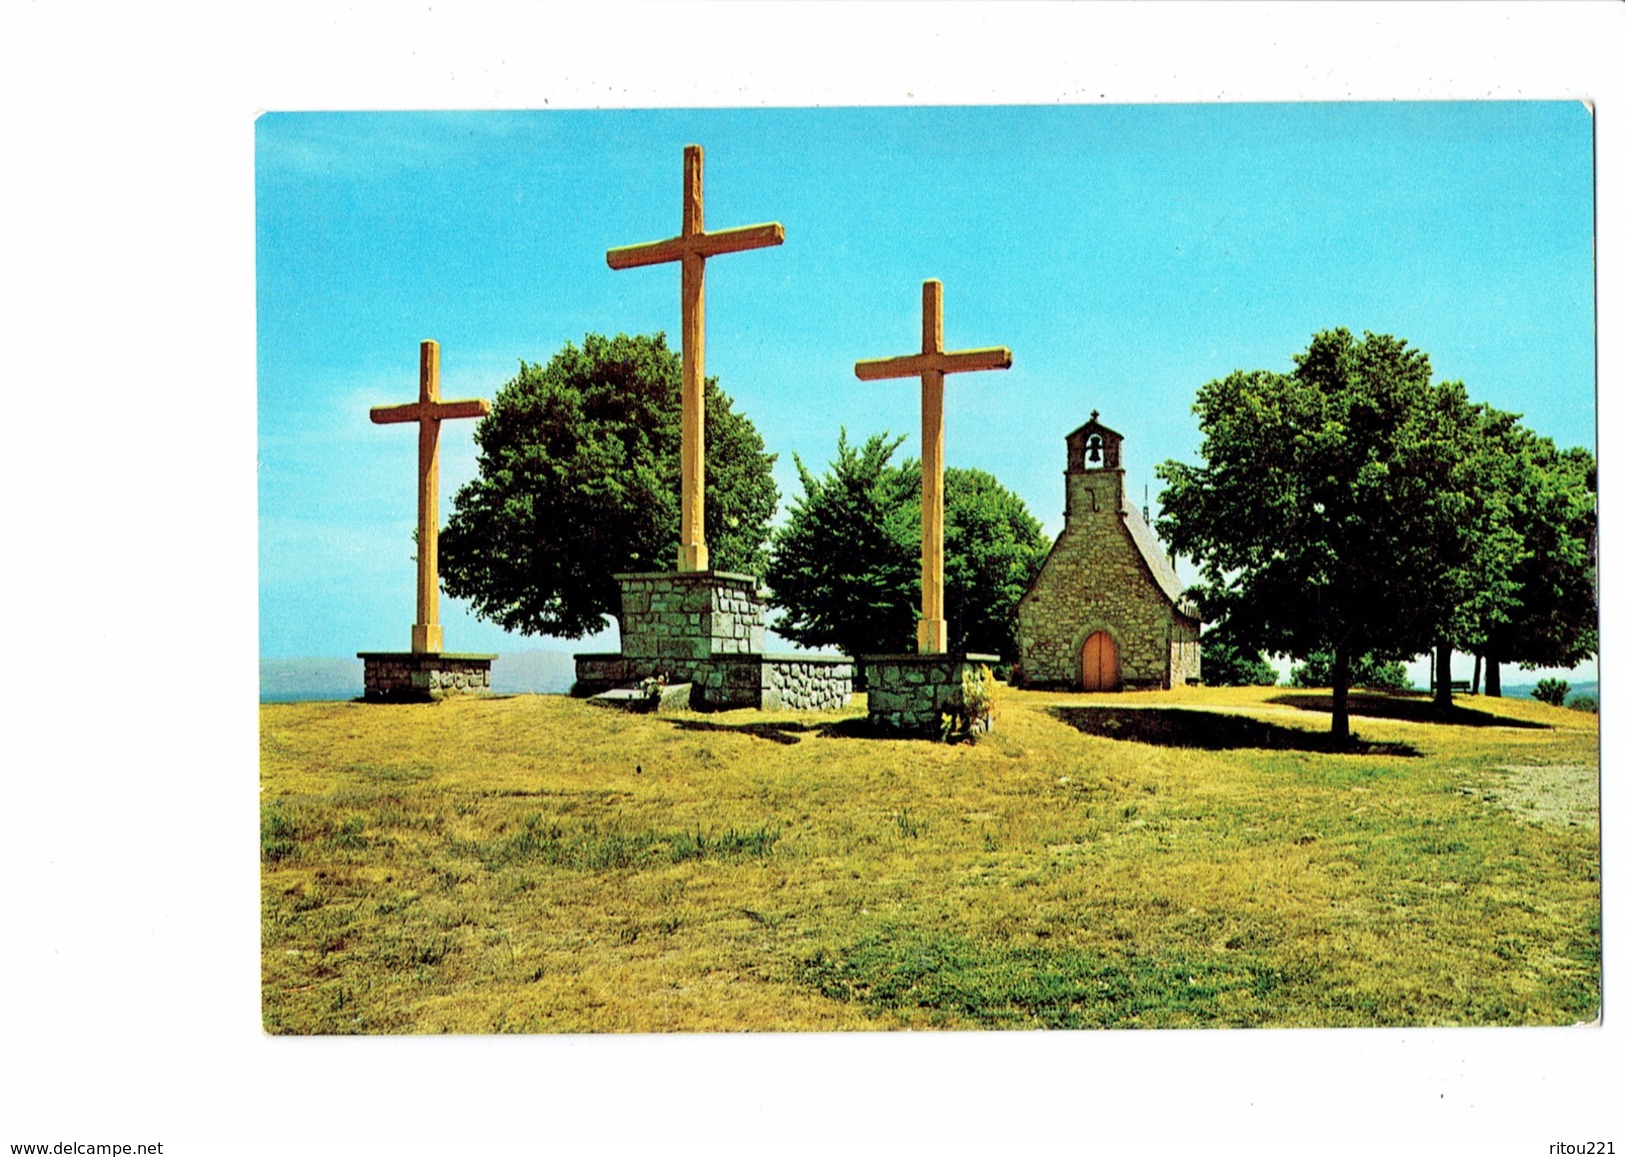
842, 567
1364, 671
579, 480
1326, 515
992, 549
846, 564
1224, 664
1473, 510
1546, 616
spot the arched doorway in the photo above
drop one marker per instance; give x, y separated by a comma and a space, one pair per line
1098, 669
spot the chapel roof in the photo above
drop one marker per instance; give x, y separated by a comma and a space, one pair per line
1094, 422
1156, 559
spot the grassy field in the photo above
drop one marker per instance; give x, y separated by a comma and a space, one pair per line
1178, 859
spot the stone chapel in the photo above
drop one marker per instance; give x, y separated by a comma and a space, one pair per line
1106, 611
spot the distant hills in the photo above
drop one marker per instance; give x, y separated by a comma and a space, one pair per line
533, 672
523, 672
1528, 692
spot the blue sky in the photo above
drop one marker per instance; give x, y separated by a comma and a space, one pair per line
1126, 254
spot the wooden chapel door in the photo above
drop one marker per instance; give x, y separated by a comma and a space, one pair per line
1099, 663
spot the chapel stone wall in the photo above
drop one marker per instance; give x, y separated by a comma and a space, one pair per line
1093, 580
1185, 654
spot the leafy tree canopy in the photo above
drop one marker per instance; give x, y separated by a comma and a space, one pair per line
842, 567
578, 480
1548, 615
992, 549
1334, 508
846, 565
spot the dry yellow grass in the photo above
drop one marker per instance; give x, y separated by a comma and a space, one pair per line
539, 864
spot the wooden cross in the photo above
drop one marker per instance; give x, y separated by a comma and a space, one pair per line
930, 365
428, 412
692, 247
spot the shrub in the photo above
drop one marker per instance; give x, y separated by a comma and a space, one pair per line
1552, 691
1583, 703
1226, 665
976, 707
1364, 671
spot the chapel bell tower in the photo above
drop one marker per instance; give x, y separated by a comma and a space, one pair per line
1094, 470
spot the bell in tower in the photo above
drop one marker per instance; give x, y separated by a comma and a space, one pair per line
1094, 469
1094, 447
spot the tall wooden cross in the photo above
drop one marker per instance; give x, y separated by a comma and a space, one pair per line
428, 412
691, 247
930, 365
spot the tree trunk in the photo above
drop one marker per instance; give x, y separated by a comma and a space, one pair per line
1441, 678
1492, 676
1478, 669
1340, 695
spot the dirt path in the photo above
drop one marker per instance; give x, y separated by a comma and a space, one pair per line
1565, 794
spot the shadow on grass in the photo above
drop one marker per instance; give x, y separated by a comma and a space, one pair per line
419, 699
1407, 708
856, 727
783, 733
1212, 731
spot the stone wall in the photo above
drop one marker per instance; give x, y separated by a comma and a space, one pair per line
690, 616
725, 682
706, 629
806, 682
909, 694
773, 682
1185, 654
1096, 579
402, 676
599, 671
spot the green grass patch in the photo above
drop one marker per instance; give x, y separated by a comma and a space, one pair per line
589, 847
950, 982
728, 845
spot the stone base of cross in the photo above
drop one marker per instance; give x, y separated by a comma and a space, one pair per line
706, 630
909, 694
406, 677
